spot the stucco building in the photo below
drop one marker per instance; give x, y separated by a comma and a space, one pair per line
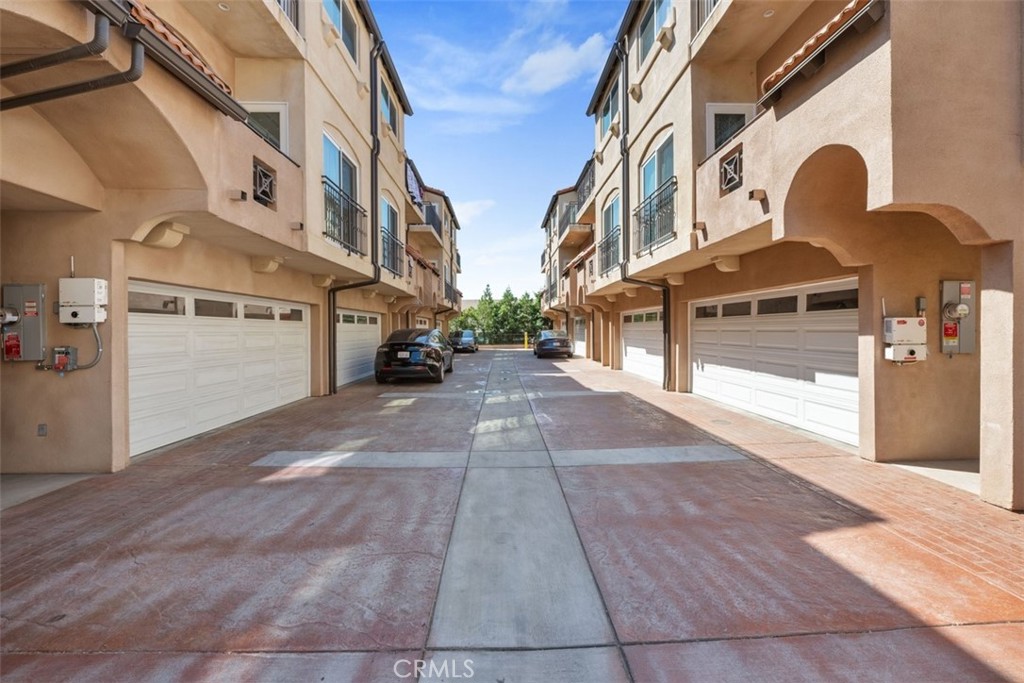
236, 173
772, 181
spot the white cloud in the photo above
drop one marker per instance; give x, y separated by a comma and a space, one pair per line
468, 212
551, 68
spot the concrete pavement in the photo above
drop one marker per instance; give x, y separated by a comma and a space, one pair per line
527, 520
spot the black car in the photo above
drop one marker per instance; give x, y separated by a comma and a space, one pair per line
552, 343
465, 341
413, 353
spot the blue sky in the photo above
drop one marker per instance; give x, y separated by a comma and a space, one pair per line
499, 90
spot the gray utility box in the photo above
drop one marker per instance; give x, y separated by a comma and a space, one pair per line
26, 338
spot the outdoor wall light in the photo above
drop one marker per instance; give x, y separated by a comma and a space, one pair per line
758, 195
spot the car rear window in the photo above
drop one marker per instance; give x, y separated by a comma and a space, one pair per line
409, 336
553, 334
467, 335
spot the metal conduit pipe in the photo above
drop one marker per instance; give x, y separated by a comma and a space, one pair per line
622, 53
133, 73
99, 43
332, 293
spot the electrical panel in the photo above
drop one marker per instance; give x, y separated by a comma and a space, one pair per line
82, 300
25, 337
959, 316
906, 339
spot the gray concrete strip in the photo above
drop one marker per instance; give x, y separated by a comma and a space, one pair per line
584, 665
572, 394
644, 456
509, 459
514, 433
362, 459
515, 574
470, 395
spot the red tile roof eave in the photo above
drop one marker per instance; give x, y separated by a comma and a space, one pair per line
145, 16
831, 28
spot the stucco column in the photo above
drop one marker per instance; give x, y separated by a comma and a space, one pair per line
1002, 375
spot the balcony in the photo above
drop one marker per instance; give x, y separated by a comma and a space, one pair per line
737, 30
654, 221
429, 233
344, 219
585, 184
608, 251
392, 252
458, 262
449, 292
268, 30
571, 231
543, 260
733, 184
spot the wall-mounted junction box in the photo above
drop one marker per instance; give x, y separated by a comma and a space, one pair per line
905, 339
82, 300
25, 339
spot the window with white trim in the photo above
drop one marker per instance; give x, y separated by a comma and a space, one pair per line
724, 120
341, 17
657, 169
270, 120
612, 217
387, 108
339, 169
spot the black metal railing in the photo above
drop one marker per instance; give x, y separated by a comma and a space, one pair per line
585, 185
449, 291
703, 8
655, 219
552, 292
567, 217
543, 258
434, 218
458, 261
392, 250
608, 250
344, 219
291, 10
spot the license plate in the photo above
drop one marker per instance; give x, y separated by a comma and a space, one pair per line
402, 354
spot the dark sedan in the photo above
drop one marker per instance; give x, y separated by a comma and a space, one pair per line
465, 341
552, 343
413, 353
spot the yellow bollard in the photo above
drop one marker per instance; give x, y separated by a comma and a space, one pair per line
526, 340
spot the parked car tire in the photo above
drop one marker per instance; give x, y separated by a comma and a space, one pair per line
381, 379
440, 374
451, 364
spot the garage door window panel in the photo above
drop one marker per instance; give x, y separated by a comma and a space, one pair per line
211, 308
839, 300
156, 304
736, 309
777, 305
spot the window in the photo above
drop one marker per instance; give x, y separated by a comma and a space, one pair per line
342, 19
609, 109
290, 314
781, 304
387, 108
388, 218
612, 217
657, 170
708, 311
348, 319
724, 121
270, 121
257, 312
208, 308
832, 301
654, 19
736, 308
159, 304
338, 168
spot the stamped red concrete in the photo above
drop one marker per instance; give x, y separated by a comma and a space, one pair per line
799, 562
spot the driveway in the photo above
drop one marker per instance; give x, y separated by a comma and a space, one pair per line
527, 520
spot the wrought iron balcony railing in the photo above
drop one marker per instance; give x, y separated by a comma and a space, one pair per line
568, 215
434, 218
703, 9
655, 219
585, 185
449, 291
291, 10
344, 219
543, 258
608, 250
392, 250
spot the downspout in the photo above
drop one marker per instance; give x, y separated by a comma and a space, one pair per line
98, 45
133, 73
666, 292
332, 293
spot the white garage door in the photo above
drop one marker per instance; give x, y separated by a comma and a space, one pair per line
643, 345
580, 336
358, 339
790, 355
199, 360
